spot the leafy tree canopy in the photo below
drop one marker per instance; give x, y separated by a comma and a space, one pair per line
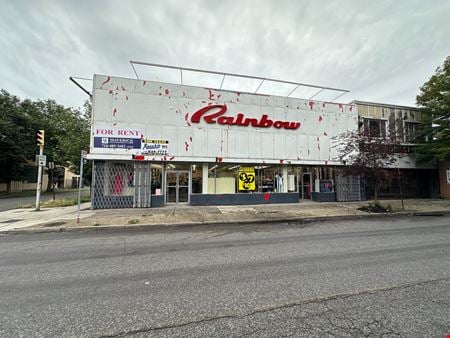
434, 99
66, 133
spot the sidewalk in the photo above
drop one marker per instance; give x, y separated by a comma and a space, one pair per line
59, 219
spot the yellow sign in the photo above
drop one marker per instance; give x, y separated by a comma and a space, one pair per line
247, 179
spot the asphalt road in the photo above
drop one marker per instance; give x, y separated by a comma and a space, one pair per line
8, 203
382, 278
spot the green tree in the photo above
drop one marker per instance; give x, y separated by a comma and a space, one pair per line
17, 137
66, 134
434, 100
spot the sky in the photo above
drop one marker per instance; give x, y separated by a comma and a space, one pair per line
382, 51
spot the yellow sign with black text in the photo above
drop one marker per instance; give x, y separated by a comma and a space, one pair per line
247, 179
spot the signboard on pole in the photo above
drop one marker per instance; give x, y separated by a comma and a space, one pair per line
42, 160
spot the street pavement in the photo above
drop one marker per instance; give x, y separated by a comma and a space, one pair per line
65, 219
379, 277
8, 203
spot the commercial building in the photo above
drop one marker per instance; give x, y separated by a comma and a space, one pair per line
154, 144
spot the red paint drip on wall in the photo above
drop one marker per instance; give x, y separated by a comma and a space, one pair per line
186, 117
186, 146
210, 95
190, 138
114, 111
110, 92
311, 104
323, 104
266, 196
171, 158
126, 97
351, 108
320, 118
106, 81
341, 108
166, 91
184, 94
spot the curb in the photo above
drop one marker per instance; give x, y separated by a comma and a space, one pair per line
291, 220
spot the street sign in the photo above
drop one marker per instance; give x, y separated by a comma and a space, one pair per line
42, 160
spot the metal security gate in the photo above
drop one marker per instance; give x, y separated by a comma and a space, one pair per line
142, 185
348, 188
121, 185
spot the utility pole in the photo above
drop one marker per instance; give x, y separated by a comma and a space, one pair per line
51, 167
42, 161
80, 182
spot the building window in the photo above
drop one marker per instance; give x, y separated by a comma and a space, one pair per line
375, 128
412, 132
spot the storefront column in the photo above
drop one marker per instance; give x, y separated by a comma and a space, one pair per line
285, 178
205, 178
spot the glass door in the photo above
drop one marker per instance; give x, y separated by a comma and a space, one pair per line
177, 186
306, 186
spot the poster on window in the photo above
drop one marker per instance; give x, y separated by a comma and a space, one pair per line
247, 179
155, 147
448, 176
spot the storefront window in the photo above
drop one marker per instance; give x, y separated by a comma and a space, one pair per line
270, 179
197, 173
119, 179
292, 185
222, 178
156, 179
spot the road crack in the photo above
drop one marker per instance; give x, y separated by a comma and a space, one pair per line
342, 296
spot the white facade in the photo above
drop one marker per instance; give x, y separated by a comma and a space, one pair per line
133, 117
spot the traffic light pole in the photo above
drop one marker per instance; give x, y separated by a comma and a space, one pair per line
39, 183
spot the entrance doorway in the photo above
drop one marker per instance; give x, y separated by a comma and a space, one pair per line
305, 186
177, 186
141, 183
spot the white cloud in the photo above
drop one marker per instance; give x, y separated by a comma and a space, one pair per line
381, 51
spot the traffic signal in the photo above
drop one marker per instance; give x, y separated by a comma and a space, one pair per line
40, 138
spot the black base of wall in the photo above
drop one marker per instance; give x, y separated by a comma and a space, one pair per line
243, 199
157, 201
324, 196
